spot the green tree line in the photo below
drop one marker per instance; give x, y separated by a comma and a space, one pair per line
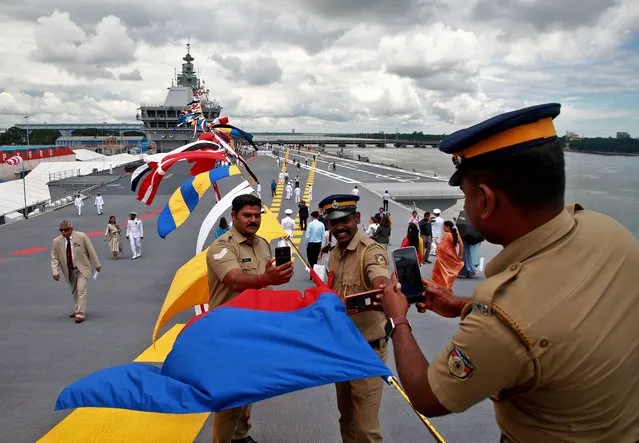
604, 145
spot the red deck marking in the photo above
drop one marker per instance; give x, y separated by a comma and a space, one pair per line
147, 215
95, 233
3, 259
29, 251
157, 211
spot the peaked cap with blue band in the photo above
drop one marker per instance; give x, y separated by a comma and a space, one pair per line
339, 205
500, 136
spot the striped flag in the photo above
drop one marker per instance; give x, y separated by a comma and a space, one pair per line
15, 160
186, 197
149, 186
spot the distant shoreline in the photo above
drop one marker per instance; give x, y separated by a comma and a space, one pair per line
625, 154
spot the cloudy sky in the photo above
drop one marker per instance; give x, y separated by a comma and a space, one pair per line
327, 65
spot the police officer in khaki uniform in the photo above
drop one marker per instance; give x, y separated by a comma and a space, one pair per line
551, 334
357, 264
236, 261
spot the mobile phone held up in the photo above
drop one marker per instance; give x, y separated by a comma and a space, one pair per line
362, 302
408, 274
282, 255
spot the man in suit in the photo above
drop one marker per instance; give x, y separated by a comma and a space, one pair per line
73, 253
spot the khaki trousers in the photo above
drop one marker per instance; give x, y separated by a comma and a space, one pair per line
78, 284
231, 424
358, 402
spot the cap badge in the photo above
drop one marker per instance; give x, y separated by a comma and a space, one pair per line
335, 205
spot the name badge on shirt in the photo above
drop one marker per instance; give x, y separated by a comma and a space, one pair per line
246, 260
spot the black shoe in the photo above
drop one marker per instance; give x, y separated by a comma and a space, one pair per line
248, 439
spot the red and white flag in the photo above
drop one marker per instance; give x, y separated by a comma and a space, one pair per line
15, 160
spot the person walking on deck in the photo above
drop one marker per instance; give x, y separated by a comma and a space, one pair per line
74, 255
135, 234
99, 203
385, 198
112, 235
78, 202
449, 257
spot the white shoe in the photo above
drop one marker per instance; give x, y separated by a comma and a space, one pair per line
134, 257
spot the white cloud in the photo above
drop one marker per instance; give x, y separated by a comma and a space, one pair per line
326, 65
63, 43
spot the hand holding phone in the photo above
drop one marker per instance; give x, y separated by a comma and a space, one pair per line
282, 255
278, 274
362, 302
408, 274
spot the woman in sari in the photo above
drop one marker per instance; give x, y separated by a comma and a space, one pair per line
112, 237
450, 252
413, 239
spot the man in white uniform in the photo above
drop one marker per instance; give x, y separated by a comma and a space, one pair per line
78, 202
298, 195
355, 191
310, 194
438, 230
135, 232
288, 224
259, 190
289, 191
99, 203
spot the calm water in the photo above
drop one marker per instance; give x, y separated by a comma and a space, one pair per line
608, 184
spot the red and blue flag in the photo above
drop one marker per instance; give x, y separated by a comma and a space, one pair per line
262, 344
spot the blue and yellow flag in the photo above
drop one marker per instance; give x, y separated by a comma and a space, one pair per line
185, 199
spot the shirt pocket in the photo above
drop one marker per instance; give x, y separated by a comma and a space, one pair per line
249, 267
351, 283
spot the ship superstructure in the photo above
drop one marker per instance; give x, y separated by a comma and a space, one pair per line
160, 121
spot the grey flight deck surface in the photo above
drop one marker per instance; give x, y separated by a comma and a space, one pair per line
42, 350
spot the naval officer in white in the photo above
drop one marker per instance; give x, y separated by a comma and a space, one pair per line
135, 232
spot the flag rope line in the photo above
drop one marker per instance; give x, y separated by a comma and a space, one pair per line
392, 381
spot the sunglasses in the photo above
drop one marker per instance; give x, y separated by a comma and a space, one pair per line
65, 229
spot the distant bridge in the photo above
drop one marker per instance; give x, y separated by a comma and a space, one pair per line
341, 142
309, 139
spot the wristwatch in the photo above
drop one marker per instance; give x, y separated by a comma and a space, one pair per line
392, 323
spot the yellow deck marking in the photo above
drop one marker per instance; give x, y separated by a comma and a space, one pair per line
299, 234
99, 425
276, 204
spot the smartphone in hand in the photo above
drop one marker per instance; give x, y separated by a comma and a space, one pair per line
282, 255
408, 274
361, 302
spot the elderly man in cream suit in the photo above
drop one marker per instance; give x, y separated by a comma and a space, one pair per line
73, 253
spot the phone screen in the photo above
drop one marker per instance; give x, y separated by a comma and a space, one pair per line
407, 268
362, 302
282, 255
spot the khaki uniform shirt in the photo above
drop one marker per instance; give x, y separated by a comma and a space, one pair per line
351, 277
233, 251
552, 336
